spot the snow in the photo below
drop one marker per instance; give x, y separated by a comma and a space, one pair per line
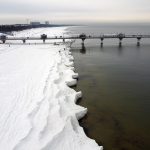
37, 106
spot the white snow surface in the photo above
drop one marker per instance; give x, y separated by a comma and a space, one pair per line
37, 107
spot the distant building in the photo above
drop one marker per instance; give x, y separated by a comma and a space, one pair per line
35, 23
47, 22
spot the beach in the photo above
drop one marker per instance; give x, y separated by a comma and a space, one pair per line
38, 108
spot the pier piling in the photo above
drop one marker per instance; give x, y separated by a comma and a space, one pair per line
43, 37
102, 39
138, 41
83, 41
83, 49
3, 41
24, 41
82, 37
121, 36
120, 43
3, 38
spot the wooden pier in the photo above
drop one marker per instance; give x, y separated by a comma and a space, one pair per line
83, 37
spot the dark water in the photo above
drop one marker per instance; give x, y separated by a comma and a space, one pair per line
116, 88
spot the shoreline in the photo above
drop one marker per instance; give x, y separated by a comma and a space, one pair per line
21, 27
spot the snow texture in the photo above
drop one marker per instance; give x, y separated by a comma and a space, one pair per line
37, 106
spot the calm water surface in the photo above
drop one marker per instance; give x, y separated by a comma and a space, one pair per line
116, 88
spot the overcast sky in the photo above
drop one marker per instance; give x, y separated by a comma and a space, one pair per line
74, 11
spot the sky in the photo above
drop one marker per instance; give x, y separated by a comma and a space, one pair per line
74, 11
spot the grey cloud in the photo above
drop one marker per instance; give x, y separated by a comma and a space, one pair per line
90, 10
30, 8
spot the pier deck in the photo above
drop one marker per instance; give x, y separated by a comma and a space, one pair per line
83, 37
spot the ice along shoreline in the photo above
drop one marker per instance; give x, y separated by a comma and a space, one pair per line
40, 112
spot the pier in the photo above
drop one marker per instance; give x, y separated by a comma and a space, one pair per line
82, 37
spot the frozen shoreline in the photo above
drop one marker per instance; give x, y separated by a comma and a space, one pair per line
37, 107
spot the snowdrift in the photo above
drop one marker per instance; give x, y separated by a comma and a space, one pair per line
37, 106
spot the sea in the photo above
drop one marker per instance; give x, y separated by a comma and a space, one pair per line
115, 82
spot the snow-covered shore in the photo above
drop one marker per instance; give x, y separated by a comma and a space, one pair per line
37, 107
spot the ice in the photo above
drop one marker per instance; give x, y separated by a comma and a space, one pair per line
37, 106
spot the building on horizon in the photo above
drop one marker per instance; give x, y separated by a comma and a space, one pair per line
47, 22
35, 23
